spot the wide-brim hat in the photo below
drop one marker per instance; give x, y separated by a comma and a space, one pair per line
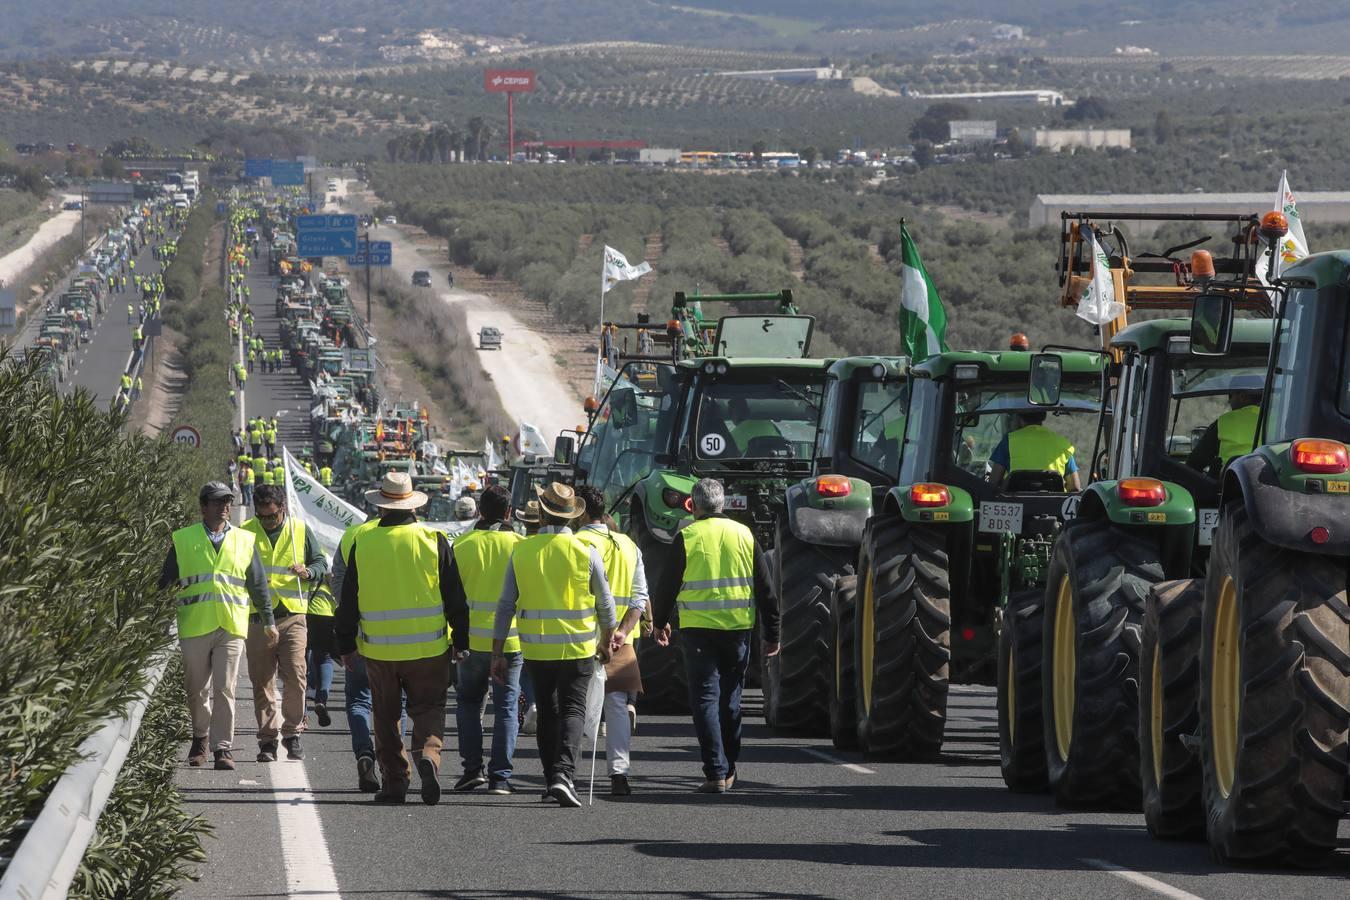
560, 501
529, 514
396, 492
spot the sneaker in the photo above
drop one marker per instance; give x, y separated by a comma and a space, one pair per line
321, 712
224, 761
197, 752
391, 795
293, 748
366, 779
470, 780
731, 779
619, 787
431, 784
500, 786
267, 752
712, 786
564, 793
632, 719
531, 723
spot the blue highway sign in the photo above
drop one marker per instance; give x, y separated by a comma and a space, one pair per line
287, 173
325, 235
381, 253
258, 168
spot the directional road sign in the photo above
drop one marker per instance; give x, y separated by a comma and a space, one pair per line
381, 253
287, 173
325, 235
257, 168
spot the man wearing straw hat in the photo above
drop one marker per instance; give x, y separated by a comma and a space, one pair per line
557, 594
397, 599
294, 561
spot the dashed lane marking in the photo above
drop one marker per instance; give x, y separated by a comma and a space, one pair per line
304, 850
1143, 881
830, 758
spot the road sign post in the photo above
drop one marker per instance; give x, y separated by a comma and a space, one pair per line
509, 82
325, 235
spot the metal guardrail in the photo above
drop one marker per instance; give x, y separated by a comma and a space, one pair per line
45, 863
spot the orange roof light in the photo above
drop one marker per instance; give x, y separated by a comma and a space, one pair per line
591, 405
834, 486
1274, 225
673, 325
1019, 341
929, 495
1320, 457
1202, 264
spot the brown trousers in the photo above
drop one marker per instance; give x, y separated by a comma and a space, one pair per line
288, 658
210, 668
424, 681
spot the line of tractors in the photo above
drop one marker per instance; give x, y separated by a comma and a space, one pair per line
1167, 625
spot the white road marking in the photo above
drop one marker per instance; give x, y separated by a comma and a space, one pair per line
304, 851
829, 758
1152, 884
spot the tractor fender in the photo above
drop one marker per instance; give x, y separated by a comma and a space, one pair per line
1172, 524
829, 521
1285, 510
960, 507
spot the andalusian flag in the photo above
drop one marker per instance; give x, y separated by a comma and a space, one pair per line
923, 321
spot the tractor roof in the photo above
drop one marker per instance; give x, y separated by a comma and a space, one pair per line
843, 369
1006, 362
1154, 334
1320, 269
755, 363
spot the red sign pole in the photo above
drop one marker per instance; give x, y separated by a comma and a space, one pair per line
510, 127
509, 82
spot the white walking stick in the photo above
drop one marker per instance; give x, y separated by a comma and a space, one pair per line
595, 705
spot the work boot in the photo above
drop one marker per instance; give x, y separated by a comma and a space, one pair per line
619, 787
392, 794
197, 753
267, 752
366, 779
431, 784
293, 748
321, 713
224, 761
712, 786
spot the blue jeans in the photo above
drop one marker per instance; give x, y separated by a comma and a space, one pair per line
320, 658
471, 685
715, 662
357, 695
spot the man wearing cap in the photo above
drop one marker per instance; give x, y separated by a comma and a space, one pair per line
397, 598
480, 559
218, 572
466, 510
719, 579
294, 563
556, 593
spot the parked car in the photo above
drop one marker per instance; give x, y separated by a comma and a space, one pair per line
390, 220
421, 278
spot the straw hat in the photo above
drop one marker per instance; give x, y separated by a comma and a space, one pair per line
396, 492
559, 501
530, 514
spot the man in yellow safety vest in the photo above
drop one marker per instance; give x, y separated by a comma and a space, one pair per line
1031, 447
294, 561
394, 610
218, 574
623, 682
1231, 435
556, 593
719, 580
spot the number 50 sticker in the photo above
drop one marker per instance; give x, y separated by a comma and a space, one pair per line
713, 445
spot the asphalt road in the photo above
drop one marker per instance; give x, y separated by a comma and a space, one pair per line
803, 821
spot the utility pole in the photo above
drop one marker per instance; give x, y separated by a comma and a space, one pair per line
368, 319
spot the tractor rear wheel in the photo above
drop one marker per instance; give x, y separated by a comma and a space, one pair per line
903, 639
1169, 710
1094, 606
1274, 698
797, 681
1021, 739
843, 712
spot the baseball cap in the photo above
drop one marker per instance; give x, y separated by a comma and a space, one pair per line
465, 508
215, 490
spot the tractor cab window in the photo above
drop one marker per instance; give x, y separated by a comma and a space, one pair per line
770, 419
632, 426
1203, 390
987, 417
880, 426
1290, 394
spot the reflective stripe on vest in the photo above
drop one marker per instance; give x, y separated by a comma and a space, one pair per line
555, 614
480, 559
211, 592
719, 571
399, 594
287, 589
1036, 448
620, 556
1237, 432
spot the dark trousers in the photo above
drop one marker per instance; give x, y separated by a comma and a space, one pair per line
423, 682
560, 694
716, 662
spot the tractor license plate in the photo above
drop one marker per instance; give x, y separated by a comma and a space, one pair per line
1209, 520
736, 501
1001, 517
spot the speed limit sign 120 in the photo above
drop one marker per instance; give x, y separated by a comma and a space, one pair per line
187, 436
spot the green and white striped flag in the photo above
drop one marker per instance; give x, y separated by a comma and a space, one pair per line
923, 321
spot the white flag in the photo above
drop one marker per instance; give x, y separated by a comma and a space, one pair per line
1098, 304
324, 513
618, 269
1294, 245
531, 441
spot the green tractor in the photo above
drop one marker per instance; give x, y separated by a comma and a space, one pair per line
1263, 671
857, 451
963, 533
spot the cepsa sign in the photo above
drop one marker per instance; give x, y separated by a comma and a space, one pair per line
502, 81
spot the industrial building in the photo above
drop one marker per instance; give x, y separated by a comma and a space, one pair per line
973, 131
1057, 139
1313, 206
788, 76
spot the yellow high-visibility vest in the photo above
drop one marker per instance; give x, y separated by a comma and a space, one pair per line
1237, 432
480, 558
287, 589
555, 614
719, 576
1036, 448
211, 588
620, 556
399, 594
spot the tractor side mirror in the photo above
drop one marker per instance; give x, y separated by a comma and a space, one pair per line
564, 449
623, 409
1047, 378
1211, 325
